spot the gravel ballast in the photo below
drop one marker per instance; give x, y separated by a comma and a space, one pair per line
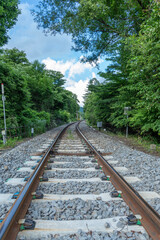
139, 165
15, 158
4, 210
92, 235
77, 209
74, 165
75, 188
73, 174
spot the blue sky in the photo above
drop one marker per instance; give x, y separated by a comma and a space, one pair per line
54, 51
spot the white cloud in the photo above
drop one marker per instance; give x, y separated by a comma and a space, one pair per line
78, 68
79, 88
72, 66
70, 69
60, 66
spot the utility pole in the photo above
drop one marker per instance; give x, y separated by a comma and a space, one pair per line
4, 133
127, 127
126, 110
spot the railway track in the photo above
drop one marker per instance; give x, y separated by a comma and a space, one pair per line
65, 195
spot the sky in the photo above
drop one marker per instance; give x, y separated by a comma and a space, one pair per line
54, 51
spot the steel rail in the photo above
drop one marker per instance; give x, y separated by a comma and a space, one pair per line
150, 218
10, 226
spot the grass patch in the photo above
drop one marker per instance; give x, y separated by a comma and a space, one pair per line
147, 143
11, 143
70, 134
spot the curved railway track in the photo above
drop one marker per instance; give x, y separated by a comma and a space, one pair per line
70, 160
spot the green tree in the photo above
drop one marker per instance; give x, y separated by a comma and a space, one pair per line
70, 102
35, 96
108, 100
14, 56
8, 16
16, 90
132, 80
96, 26
45, 87
144, 67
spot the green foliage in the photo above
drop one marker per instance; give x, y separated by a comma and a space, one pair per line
145, 74
11, 143
64, 116
32, 118
13, 56
128, 33
8, 16
70, 104
131, 80
16, 90
35, 96
96, 26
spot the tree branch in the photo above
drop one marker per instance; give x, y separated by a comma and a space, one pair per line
107, 26
110, 28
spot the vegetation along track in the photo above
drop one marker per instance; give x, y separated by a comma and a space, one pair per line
73, 199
